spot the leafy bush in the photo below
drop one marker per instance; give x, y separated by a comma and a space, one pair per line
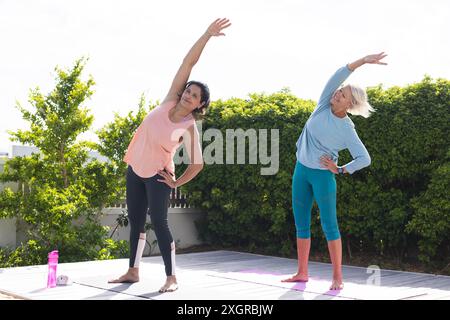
245, 208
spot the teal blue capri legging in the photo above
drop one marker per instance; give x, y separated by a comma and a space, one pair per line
309, 184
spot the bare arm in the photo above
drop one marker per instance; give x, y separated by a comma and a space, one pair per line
372, 58
182, 75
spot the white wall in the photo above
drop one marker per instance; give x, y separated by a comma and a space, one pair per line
8, 233
21, 151
181, 223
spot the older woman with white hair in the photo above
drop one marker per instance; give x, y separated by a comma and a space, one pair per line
328, 131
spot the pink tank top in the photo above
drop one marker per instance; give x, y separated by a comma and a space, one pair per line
155, 142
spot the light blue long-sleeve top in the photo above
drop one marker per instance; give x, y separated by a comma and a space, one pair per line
326, 134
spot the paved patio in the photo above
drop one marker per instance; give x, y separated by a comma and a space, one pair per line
222, 275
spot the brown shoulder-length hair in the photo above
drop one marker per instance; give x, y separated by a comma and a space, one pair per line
199, 113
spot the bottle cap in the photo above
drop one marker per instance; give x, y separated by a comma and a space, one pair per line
53, 254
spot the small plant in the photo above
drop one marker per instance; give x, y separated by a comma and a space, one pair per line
122, 221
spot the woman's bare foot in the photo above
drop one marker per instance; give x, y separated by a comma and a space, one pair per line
170, 285
131, 276
297, 278
337, 284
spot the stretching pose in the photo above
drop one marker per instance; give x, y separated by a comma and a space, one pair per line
328, 131
151, 171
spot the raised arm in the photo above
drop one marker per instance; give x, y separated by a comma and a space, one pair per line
333, 83
371, 58
341, 75
182, 75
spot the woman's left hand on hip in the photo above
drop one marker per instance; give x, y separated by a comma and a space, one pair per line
327, 162
168, 179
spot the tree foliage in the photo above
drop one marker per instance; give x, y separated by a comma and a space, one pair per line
61, 189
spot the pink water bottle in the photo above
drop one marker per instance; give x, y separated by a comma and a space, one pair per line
52, 264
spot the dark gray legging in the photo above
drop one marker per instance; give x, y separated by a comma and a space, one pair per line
149, 195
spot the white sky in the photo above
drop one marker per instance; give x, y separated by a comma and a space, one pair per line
136, 46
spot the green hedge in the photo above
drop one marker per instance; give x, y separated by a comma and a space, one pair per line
398, 206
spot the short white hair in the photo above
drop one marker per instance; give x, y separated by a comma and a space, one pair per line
360, 105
